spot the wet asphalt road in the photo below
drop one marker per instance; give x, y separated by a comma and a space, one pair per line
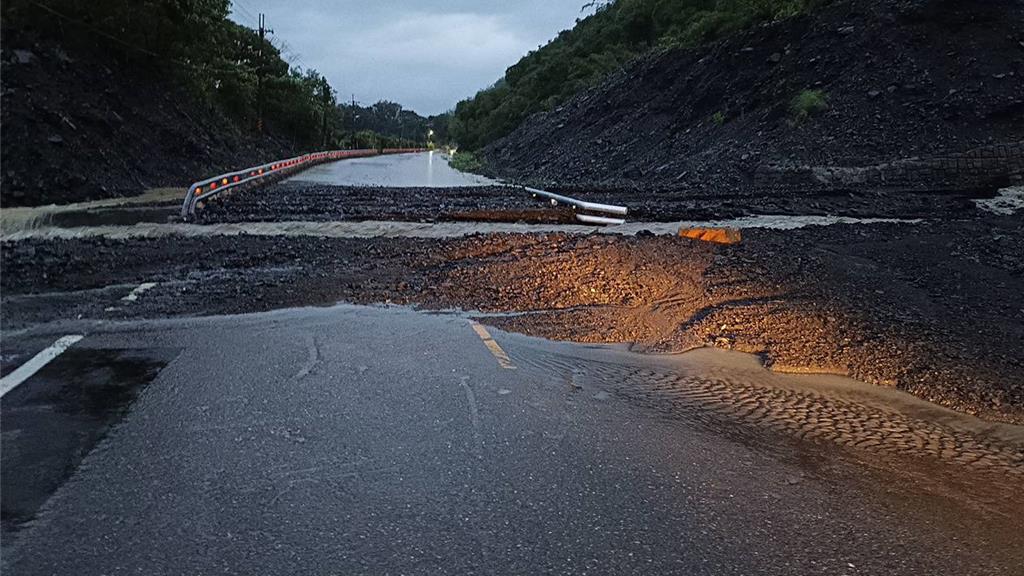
361, 440
429, 169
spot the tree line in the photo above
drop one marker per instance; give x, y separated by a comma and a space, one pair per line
392, 119
616, 33
222, 63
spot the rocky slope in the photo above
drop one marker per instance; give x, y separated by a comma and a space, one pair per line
919, 95
77, 128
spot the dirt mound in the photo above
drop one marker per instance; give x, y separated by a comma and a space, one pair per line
78, 128
921, 95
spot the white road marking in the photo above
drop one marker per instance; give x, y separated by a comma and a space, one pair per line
138, 291
26, 370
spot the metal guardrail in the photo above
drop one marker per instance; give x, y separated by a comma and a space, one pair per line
209, 187
583, 205
602, 220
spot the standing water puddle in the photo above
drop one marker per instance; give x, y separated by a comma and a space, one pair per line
428, 169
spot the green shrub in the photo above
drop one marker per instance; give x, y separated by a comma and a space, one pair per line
718, 118
466, 162
807, 103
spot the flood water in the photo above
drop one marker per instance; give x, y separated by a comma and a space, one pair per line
398, 229
427, 169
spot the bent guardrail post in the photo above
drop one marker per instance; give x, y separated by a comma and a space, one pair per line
581, 204
603, 220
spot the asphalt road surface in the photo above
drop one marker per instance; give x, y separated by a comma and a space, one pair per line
355, 440
429, 169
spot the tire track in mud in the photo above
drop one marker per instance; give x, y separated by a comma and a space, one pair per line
720, 401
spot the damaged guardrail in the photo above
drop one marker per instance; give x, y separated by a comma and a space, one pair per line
583, 205
210, 187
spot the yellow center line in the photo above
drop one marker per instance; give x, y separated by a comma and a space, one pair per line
503, 360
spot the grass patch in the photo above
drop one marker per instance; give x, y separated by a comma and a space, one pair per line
807, 103
466, 162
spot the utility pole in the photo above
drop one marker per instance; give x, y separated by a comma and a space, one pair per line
259, 73
355, 143
326, 95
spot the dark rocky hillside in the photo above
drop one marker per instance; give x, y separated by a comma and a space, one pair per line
898, 95
77, 127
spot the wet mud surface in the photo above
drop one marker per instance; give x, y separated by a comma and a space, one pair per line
940, 452
307, 201
933, 309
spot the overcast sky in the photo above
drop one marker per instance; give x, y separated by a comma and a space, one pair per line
424, 54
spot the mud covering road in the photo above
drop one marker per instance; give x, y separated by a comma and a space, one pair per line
932, 308
308, 201
297, 200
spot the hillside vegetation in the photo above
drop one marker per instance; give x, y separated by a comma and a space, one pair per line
865, 96
192, 43
108, 97
615, 34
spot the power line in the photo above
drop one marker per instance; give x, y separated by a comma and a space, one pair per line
243, 13
135, 47
246, 7
240, 9
244, 19
285, 48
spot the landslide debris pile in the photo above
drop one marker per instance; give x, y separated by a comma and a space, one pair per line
882, 95
933, 309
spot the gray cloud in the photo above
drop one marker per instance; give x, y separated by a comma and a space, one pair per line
426, 55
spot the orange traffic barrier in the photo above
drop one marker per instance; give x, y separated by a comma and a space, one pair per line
715, 235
